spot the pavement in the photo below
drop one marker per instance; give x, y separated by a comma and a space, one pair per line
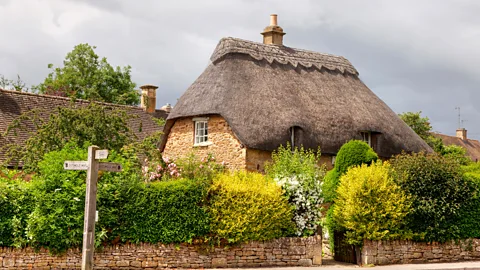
428, 266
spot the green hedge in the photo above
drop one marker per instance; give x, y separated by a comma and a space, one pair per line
354, 153
166, 212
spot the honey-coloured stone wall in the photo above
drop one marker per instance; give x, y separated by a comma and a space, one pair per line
402, 251
279, 252
224, 144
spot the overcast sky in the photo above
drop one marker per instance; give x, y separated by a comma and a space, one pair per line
415, 55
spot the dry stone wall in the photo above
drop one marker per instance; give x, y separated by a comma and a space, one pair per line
401, 252
279, 252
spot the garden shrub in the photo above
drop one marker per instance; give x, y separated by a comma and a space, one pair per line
370, 205
15, 206
57, 219
166, 212
438, 191
353, 153
248, 206
330, 184
469, 215
299, 175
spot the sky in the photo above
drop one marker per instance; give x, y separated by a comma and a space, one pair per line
415, 55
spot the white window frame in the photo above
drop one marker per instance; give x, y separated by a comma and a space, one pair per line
200, 125
367, 137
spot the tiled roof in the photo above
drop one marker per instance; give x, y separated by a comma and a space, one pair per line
472, 146
13, 104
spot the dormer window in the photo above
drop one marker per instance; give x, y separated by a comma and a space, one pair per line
296, 134
201, 131
367, 137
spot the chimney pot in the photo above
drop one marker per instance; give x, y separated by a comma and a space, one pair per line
149, 97
273, 20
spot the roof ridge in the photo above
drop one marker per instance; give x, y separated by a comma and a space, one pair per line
282, 54
68, 99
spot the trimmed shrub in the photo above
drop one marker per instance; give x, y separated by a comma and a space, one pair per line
299, 175
370, 205
353, 153
247, 206
165, 212
438, 191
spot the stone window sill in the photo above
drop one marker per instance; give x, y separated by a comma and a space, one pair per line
202, 144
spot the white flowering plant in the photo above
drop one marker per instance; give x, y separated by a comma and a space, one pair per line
298, 173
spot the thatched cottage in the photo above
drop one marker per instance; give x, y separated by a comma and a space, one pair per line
253, 97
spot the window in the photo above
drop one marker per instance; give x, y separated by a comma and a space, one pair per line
367, 137
201, 131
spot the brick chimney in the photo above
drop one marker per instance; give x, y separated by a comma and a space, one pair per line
462, 133
273, 34
149, 97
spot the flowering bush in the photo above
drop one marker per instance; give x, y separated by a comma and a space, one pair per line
190, 167
299, 175
160, 169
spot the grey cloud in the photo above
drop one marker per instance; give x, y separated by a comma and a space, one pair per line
415, 55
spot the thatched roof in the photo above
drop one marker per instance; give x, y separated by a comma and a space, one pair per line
13, 104
264, 90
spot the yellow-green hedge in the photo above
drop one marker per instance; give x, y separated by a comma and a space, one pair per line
248, 206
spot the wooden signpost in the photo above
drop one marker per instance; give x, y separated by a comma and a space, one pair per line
92, 166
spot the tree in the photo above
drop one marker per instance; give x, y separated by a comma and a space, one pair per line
84, 75
422, 127
94, 124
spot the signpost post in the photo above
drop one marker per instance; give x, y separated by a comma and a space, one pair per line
92, 166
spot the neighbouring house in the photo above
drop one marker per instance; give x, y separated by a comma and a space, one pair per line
472, 146
254, 97
13, 104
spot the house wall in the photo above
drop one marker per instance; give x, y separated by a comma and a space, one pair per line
279, 252
256, 159
225, 146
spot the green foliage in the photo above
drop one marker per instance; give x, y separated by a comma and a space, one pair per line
438, 191
456, 153
57, 219
248, 206
84, 75
353, 153
165, 212
469, 214
299, 161
96, 124
330, 184
300, 177
421, 126
370, 205
331, 226
17, 85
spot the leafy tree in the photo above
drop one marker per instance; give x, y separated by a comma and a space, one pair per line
421, 126
102, 126
456, 153
84, 75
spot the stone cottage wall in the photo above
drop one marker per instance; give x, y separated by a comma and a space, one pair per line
401, 252
279, 252
225, 146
